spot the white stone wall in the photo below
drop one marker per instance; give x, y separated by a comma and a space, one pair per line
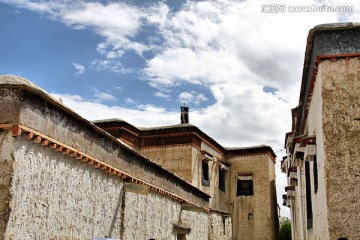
220, 227
154, 216
55, 197
150, 216
319, 202
6, 171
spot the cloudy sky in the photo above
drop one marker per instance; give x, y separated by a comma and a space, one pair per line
236, 64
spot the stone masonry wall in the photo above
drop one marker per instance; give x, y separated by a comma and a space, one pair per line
259, 205
154, 216
220, 227
185, 161
219, 199
6, 171
319, 202
149, 216
177, 159
55, 197
341, 126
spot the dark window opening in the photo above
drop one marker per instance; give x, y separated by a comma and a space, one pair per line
222, 174
181, 236
245, 186
224, 225
205, 173
309, 213
315, 172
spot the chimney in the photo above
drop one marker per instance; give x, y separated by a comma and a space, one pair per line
184, 114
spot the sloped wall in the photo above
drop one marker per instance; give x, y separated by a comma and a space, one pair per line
341, 127
149, 216
6, 171
154, 216
55, 197
319, 202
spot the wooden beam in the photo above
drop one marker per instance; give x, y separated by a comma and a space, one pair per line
16, 131
66, 151
45, 143
29, 135
37, 139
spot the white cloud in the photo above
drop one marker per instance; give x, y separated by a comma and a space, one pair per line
109, 65
79, 69
193, 97
129, 100
162, 95
102, 96
95, 110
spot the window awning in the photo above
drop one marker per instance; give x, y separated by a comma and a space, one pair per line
245, 177
310, 149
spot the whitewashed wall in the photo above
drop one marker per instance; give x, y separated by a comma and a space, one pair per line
55, 197
154, 216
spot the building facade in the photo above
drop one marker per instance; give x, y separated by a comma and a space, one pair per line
322, 162
239, 181
63, 177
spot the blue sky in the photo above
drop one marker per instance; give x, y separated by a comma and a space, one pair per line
237, 67
64, 59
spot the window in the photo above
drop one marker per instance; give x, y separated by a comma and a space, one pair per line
181, 232
181, 237
205, 173
244, 185
222, 175
315, 172
224, 225
308, 195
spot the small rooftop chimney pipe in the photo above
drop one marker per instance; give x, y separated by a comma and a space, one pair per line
184, 114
